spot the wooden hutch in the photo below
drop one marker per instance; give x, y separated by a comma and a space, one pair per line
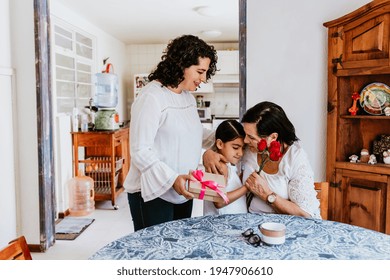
358, 54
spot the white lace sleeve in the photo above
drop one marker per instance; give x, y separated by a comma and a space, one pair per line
301, 186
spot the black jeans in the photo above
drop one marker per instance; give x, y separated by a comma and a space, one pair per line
156, 211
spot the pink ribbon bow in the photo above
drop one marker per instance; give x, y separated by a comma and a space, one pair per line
198, 175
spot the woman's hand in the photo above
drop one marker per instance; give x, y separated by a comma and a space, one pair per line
258, 186
180, 186
214, 162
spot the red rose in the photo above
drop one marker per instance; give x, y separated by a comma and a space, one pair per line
275, 156
274, 151
262, 145
274, 146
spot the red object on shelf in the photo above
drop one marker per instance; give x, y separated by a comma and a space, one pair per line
353, 110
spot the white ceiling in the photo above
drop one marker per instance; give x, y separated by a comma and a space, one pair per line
158, 21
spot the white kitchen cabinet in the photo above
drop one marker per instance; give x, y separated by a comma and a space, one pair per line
207, 125
228, 62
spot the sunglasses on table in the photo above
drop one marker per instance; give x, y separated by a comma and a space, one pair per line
252, 237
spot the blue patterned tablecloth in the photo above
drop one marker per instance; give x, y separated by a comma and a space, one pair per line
219, 237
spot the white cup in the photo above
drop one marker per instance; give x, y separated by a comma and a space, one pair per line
273, 233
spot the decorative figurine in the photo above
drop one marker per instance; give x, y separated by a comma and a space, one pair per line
364, 156
353, 158
386, 157
372, 159
353, 110
387, 111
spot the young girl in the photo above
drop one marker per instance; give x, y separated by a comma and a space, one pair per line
230, 143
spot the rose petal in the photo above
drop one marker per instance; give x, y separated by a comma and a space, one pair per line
262, 145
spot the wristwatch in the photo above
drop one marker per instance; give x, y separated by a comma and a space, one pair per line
271, 198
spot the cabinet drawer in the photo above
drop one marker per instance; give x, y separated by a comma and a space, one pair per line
91, 140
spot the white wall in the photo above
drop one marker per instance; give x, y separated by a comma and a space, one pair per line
7, 172
287, 64
5, 42
23, 61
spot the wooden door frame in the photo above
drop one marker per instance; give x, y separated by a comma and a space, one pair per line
47, 199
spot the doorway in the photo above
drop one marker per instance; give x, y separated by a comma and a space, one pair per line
45, 129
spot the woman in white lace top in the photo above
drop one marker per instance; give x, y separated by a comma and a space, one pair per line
284, 186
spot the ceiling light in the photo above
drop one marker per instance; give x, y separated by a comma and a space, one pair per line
206, 11
212, 33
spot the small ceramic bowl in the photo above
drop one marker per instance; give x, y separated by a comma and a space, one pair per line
273, 233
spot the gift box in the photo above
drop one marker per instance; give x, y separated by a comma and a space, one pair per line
195, 186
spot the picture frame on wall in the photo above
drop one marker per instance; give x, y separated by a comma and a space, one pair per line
140, 80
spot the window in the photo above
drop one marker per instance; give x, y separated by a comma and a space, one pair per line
73, 67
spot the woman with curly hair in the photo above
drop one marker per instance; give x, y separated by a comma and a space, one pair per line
166, 135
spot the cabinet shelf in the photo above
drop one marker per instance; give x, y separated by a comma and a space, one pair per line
365, 117
379, 168
362, 72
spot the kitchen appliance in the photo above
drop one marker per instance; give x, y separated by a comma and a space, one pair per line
106, 99
204, 113
106, 85
107, 119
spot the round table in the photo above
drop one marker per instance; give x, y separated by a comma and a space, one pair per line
219, 237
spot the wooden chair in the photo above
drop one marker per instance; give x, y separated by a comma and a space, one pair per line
322, 189
17, 249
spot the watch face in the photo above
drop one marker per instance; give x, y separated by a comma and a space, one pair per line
271, 198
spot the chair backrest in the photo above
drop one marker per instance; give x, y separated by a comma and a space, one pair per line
17, 249
322, 189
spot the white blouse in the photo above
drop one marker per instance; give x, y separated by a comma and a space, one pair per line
237, 206
293, 181
165, 141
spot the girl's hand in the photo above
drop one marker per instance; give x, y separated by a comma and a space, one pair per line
258, 185
214, 162
180, 186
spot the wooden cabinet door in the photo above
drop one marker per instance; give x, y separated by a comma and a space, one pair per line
362, 199
366, 42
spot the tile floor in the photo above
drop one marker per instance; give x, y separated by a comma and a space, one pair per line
109, 225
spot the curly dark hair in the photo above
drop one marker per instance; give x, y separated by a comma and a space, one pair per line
181, 53
269, 118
